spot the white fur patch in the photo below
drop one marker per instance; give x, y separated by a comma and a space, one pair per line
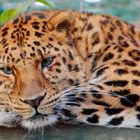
39, 123
8, 119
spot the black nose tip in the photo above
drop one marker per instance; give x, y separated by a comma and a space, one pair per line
35, 102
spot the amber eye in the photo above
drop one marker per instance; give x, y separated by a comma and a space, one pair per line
7, 70
46, 62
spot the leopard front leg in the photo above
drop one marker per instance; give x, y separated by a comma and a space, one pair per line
96, 104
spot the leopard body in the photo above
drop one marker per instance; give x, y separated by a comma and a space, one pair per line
61, 65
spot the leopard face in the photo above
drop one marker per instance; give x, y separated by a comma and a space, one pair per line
36, 65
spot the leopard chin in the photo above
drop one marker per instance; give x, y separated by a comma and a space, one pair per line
39, 121
9, 119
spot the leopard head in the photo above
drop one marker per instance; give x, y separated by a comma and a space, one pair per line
38, 60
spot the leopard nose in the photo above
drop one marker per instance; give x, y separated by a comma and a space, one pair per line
34, 102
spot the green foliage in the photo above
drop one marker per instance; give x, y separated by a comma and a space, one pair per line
44, 2
7, 15
11, 13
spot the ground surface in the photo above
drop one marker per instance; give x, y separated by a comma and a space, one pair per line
71, 132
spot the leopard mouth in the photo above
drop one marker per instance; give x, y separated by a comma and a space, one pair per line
39, 121
38, 116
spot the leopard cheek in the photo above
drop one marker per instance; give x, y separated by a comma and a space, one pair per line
7, 84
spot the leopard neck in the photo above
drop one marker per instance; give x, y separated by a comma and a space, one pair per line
88, 37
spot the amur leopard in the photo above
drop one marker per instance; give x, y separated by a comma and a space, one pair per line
66, 66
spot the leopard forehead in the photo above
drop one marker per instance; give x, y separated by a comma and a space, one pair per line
25, 37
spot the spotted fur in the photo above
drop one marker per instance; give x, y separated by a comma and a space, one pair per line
62, 65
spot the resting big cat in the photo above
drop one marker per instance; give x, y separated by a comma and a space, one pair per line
61, 65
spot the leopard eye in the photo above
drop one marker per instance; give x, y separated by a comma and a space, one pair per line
7, 70
46, 62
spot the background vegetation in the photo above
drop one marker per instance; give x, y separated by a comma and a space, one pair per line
127, 9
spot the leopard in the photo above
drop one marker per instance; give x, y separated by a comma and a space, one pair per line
70, 67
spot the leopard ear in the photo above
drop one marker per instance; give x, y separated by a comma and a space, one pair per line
61, 21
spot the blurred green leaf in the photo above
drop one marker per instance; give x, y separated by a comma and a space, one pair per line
45, 3
21, 7
8, 14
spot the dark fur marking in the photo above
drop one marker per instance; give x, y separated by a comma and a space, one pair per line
136, 82
6, 50
73, 104
16, 20
79, 38
132, 29
5, 29
101, 71
110, 36
108, 57
89, 27
87, 111
37, 34
136, 73
70, 55
121, 71
113, 111
129, 63
84, 95
69, 66
75, 30
49, 46
60, 43
76, 68
138, 116
100, 87
28, 33
118, 23
35, 25
58, 70
101, 103
56, 49
133, 40
32, 54
71, 81
95, 38
4, 33
96, 94
64, 60
27, 18
106, 48
116, 63
93, 119
112, 29
135, 54
63, 25
120, 50
120, 83
68, 113
138, 108
116, 121
79, 99
138, 126
120, 92
51, 39
106, 21
124, 44
130, 100
37, 43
